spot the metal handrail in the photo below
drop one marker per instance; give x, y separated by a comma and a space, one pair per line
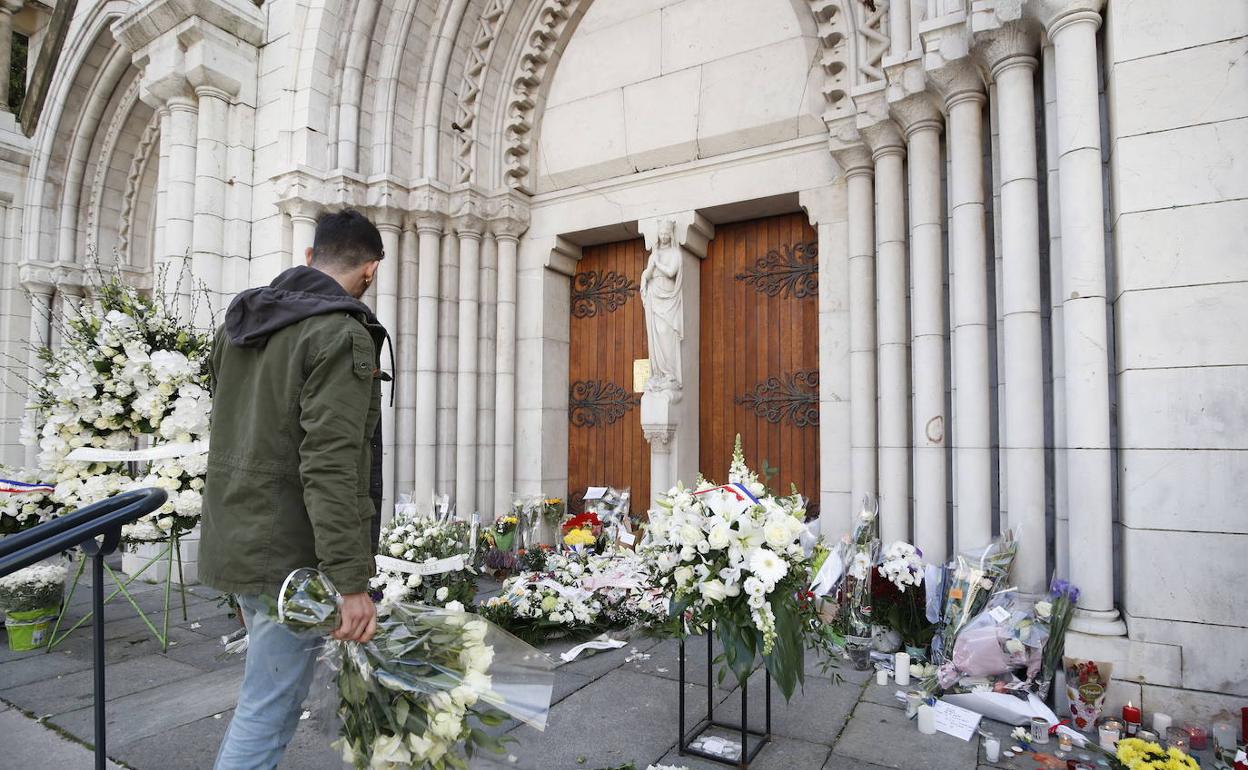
81, 528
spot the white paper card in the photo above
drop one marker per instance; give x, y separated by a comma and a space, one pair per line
595, 493
628, 538
955, 720
999, 614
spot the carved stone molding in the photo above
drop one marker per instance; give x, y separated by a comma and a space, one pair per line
595, 403
915, 113
595, 293
469, 104
833, 30
793, 397
789, 272
148, 148
660, 439
1009, 45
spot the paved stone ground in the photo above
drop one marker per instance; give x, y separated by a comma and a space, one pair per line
170, 710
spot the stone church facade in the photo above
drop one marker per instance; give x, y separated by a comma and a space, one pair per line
982, 259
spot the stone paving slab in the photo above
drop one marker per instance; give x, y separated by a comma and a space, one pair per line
26, 743
154, 711
883, 735
815, 714
69, 692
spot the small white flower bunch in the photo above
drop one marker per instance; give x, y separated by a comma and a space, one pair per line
422, 540
35, 587
902, 564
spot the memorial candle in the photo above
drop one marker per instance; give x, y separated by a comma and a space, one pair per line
927, 720
901, 667
1131, 718
1161, 723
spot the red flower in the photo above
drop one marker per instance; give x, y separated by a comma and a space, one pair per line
582, 521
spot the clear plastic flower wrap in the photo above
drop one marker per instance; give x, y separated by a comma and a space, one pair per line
973, 577
428, 686
1005, 637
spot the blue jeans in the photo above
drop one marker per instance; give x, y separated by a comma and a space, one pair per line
276, 679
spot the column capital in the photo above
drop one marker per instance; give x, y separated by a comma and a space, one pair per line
508, 214
468, 225
1013, 44
1056, 14
917, 112
855, 160
690, 230
467, 212
957, 81
884, 138
508, 228
388, 218
37, 277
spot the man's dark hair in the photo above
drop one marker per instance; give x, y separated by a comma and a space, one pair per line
345, 240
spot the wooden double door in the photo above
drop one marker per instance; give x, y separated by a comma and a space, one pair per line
759, 351
758, 356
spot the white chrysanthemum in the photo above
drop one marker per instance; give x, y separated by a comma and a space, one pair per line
768, 566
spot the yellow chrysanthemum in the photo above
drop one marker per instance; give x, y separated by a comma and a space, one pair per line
579, 537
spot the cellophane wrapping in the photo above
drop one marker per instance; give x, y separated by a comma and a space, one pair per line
972, 578
425, 691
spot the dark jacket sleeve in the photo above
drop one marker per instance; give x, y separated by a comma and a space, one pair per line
334, 407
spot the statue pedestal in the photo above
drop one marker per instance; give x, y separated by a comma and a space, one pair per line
670, 423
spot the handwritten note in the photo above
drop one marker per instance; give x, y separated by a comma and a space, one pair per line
595, 493
955, 720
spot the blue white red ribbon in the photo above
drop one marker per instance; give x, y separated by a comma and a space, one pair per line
22, 488
736, 490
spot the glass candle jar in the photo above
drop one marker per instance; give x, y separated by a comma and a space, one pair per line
1176, 738
1108, 730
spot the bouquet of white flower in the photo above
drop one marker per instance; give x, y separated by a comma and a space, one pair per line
37, 587
733, 559
126, 369
419, 693
424, 560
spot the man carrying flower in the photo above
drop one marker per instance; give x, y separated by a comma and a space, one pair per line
296, 369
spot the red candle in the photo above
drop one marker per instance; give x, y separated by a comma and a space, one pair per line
1131, 716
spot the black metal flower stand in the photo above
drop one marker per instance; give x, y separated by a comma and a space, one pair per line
760, 738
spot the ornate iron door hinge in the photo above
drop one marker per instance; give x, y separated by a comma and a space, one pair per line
793, 396
598, 402
594, 292
793, 273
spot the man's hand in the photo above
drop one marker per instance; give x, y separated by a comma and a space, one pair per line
359, 619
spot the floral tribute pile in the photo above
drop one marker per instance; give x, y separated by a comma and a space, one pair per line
126, 371
424, 560
419, 694
576, 594
732, 559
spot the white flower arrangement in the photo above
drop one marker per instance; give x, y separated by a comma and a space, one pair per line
421, 541
733, 558
35, 587
902, 564
126, 370
578, 594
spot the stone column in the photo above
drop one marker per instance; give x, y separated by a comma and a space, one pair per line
1061, 539
507, 232
859, 173
7, 9
1009, 54
40, 334
898, 27
963, 91
404, 437
888, 152
207, 258
429, 229
675, 411
390, 225
487, 352
1072, 27
922, 123
469, 228
448, 362
303, 231
180, 201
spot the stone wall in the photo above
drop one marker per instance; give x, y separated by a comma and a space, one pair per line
1177, 89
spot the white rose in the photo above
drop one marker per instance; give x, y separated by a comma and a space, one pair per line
683, 576
390, 748
1044, 610
414, 580
719, 536
776, 533
396, 549
713, 590
446, 725
442, 593
1014, 647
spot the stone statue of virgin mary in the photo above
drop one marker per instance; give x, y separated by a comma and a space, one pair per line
665, 310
